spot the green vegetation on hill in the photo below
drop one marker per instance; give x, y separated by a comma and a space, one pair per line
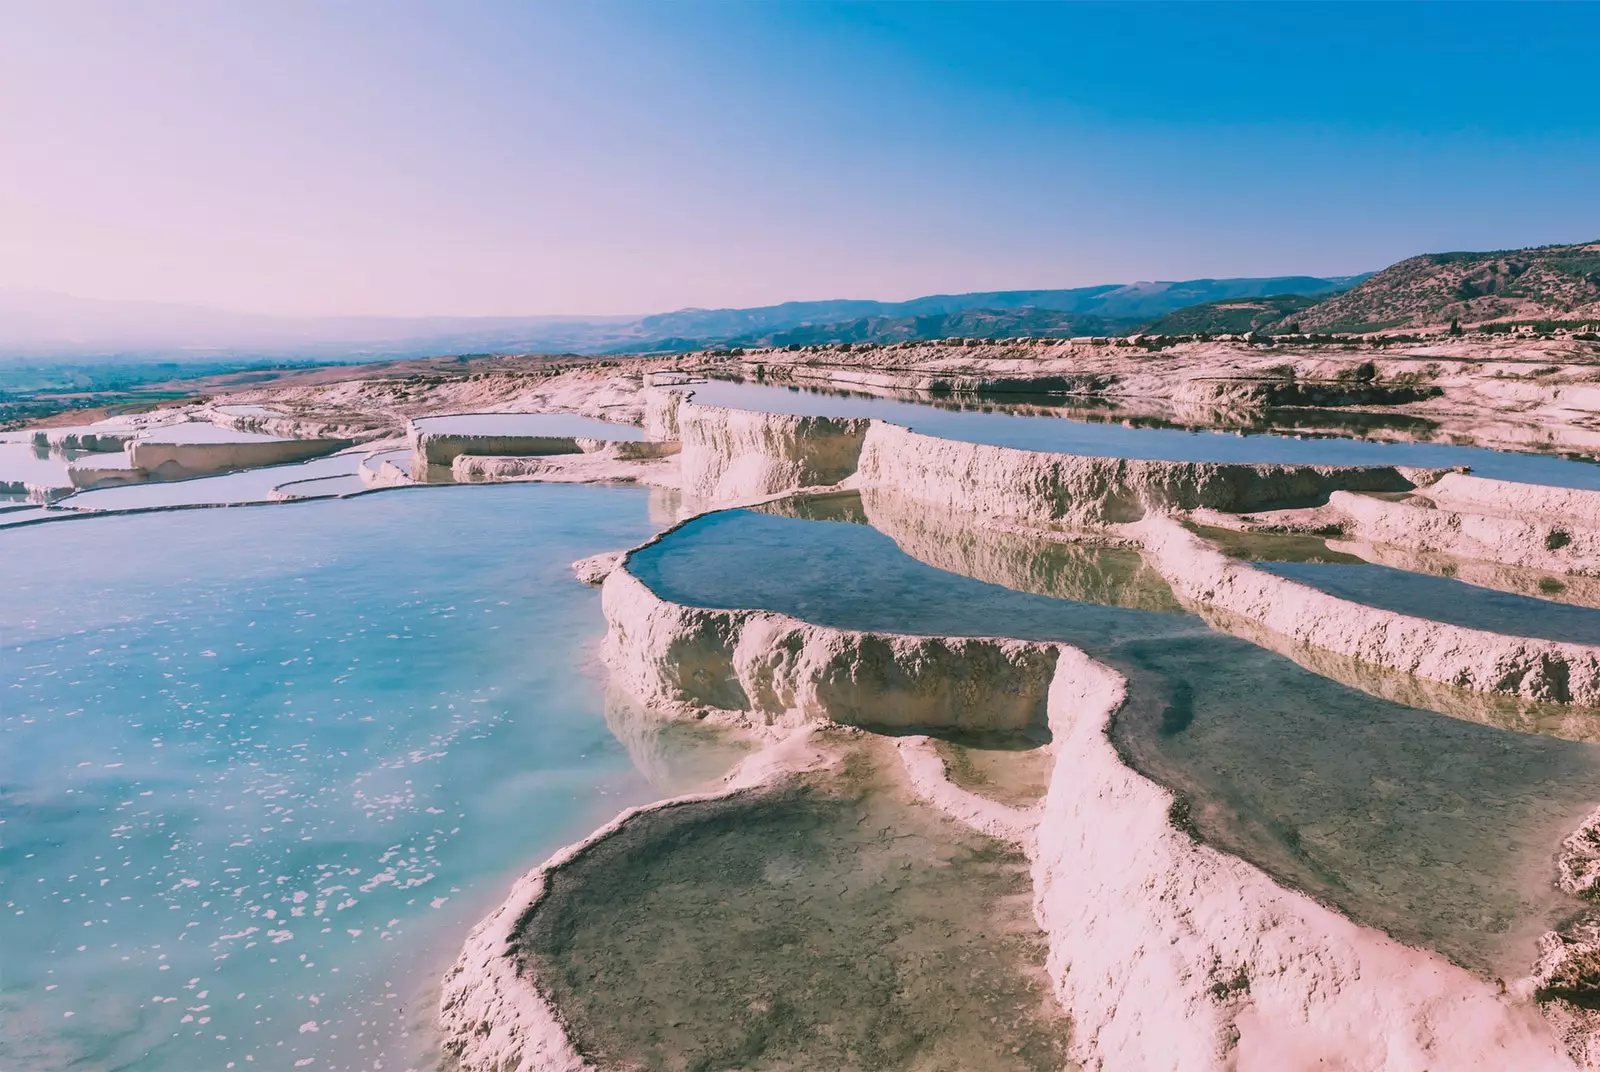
1554, 283
969, 323
1235, 317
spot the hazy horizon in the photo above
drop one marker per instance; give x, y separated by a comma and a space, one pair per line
616, 159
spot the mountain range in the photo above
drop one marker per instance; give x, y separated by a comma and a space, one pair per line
46, 326
1546, 283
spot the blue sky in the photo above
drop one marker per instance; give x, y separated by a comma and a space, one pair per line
499, 158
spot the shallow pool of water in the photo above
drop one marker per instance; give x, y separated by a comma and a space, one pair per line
204, 432
1438, 830
1108, 439
529, 424
23, 463
831, 923
245, 486
323, 486
262, 769
852, 576
1442, 599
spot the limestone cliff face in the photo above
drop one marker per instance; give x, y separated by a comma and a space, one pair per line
764, 666
1066, 488
1467, 658
1171, 955
733, 454
660, 411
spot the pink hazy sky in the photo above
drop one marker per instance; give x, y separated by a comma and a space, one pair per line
498, 158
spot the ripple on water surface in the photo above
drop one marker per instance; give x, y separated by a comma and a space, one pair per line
1439, 830
261, 769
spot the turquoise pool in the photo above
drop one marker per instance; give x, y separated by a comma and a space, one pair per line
261, 769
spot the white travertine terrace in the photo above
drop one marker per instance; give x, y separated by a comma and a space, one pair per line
1576, 588
763, 666
1529, 525
1172, 955
1168, 954
106, 437
176, 459
492, 1017
733, 454
386, 468
104, 470
487, 455
1454, 655
927, 775
965, 544
592, 460
1032, 486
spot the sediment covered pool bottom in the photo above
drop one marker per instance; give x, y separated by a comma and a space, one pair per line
830, 922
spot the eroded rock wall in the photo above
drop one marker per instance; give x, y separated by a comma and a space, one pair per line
767, 667
730, 454
1073, 489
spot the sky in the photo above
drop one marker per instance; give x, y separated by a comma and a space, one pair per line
613, 158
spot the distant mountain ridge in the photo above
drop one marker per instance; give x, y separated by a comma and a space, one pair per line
1428, 291
44, 326
968, 323
1118, 306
